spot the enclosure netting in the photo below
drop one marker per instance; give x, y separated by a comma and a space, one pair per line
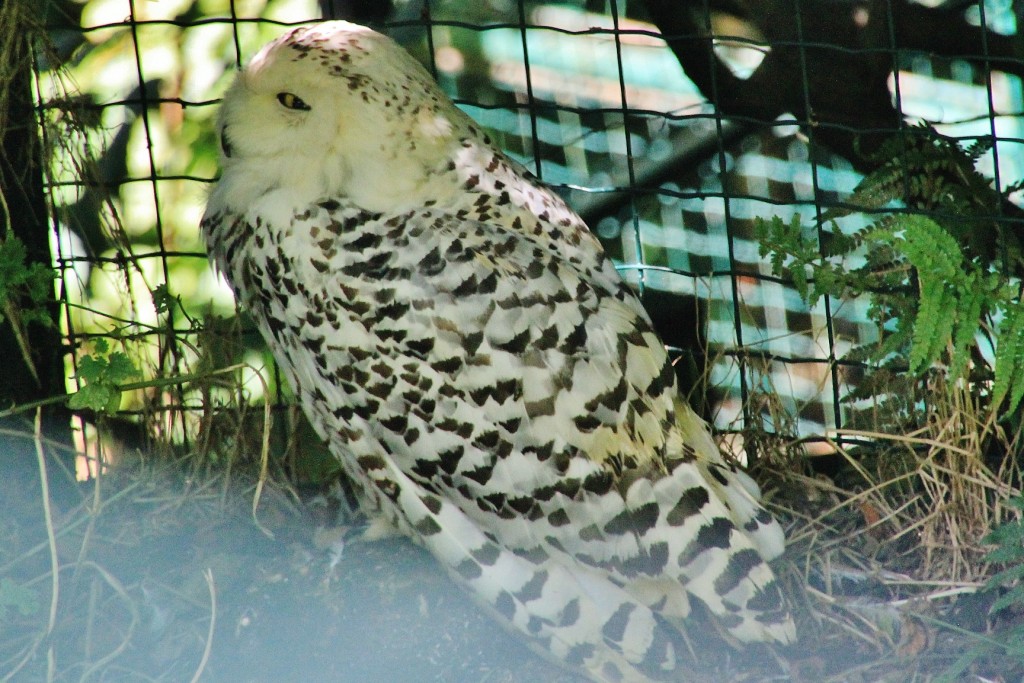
588, 96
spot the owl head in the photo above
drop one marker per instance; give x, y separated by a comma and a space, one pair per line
334, 110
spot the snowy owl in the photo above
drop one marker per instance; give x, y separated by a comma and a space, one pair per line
491, 386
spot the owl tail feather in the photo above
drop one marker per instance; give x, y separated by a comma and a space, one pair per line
577, 615
736, 537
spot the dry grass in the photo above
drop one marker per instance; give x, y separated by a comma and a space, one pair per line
161, 571
885, 559
884, 569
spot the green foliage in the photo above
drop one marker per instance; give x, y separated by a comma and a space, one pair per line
103, 374
25, 289
950, 292
100, 132
1009, 380
1008, 540
1009, 551
932, 173
163, 300
942, 275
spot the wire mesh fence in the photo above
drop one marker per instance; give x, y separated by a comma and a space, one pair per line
671, 152
690, 136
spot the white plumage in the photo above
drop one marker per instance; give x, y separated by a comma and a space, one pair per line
490, 385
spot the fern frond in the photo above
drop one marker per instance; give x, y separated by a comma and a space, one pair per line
930, 248
1009, 370
979, 148
968, 317
933, 325
937, 258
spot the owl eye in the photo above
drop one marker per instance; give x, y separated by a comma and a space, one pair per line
291, 101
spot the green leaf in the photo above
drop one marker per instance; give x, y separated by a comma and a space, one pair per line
931, 323
1015, 596
794, 252
942, 283
100, 397
968, 316
162, 299
90, 368
120, 368
103, 377
1009, 385
26, 287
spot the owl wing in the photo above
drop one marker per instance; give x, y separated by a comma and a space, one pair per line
377, 338
519, 411
543, 405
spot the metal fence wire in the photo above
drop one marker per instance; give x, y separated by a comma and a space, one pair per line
670, 151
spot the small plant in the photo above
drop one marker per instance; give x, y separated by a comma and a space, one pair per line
1008, 539
942, 384
25, 288
25, 292
944, 287
103, 374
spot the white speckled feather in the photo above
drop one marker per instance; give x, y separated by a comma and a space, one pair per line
459, 338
